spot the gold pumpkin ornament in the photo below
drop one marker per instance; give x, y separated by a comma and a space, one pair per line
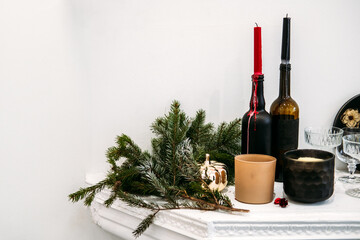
215, 172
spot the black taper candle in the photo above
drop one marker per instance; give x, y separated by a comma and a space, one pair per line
285, 48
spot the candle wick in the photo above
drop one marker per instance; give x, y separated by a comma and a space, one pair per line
256, 25
286, 15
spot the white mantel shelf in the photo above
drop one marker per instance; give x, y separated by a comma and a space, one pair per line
335, 218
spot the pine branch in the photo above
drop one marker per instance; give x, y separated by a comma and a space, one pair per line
226, 138
177, 132
108, 202
112, 156
223, 199
199, 205
129, 150
156, 182
144, 224
213, 205
171, 171
89, 192
199, 132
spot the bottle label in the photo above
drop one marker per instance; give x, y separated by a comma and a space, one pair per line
286, 132
285, 138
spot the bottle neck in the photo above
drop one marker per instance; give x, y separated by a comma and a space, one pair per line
257, 101
284, 90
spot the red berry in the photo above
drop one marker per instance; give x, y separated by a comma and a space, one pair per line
283, 202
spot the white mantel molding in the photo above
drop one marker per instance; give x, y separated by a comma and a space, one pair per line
335, 218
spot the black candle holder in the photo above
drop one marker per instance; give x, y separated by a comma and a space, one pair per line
308, 180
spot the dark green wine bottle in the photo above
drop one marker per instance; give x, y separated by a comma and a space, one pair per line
284, 110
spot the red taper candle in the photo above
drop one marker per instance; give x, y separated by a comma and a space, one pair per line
257, 51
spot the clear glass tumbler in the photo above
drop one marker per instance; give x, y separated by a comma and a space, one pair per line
323, 138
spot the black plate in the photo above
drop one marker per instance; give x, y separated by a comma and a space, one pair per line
352, 104
344, 117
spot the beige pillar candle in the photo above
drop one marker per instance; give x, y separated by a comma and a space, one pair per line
254, 178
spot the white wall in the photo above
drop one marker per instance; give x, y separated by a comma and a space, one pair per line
140, 55
44, 125
76, 73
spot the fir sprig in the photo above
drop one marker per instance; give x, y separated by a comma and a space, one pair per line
145, 224
171, 171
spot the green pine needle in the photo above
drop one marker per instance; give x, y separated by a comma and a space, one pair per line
144, 224
171, 171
